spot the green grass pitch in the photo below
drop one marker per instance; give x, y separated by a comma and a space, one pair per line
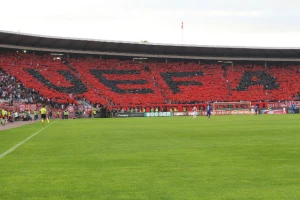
173, 158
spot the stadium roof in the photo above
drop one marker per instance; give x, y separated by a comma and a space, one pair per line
23, 41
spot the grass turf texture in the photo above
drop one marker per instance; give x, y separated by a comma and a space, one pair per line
227, 157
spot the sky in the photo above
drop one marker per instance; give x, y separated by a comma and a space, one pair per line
259, 23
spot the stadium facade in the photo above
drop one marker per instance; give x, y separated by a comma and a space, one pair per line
198, 74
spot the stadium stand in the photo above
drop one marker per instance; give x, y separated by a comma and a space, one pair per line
36, 78
12, 90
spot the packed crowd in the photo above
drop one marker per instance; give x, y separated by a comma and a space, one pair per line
41, 79
12, 90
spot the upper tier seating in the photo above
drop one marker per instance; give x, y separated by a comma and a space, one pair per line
114, 82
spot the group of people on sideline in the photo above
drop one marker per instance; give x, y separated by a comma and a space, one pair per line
10, 116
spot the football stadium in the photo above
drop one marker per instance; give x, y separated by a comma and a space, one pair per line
106, 119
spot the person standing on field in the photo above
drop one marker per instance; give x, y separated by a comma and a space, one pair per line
284, 109
208, 111
43, 112
256, 109
35, 115
293, 107
252, 110
194, 112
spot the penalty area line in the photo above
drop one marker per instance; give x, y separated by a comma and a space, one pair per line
22, 142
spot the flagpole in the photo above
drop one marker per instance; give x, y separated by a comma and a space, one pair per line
181, 33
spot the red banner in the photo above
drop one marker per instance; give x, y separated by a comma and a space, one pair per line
30, 107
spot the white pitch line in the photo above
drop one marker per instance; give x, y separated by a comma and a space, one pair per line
20, 143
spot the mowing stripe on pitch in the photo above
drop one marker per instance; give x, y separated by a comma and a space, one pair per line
20, 143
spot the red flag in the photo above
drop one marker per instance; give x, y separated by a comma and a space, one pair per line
181, 25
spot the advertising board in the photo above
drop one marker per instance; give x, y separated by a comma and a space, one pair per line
284, 104
158, 114
185, 113
126, 115
31, 107
216, 112
271, 112
229, 112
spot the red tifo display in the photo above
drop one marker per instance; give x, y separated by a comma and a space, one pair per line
114, 82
